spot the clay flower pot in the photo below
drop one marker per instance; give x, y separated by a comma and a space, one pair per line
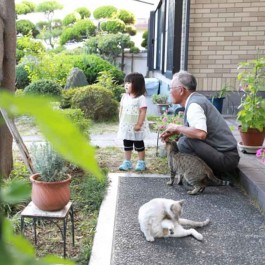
253, 137
50, 196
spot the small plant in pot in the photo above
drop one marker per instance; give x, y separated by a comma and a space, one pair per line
161, 101
251, 113
218, 97
51, 185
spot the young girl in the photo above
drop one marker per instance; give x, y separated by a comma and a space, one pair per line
133, 125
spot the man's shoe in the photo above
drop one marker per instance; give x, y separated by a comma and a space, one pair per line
126, 165
140, 166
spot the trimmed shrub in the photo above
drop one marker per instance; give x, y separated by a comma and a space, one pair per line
126, 16
104, 12
93, 64
131, 30
69, 19
78, 118
22, 78
83, 12
81, 29
113, 26
26, 27
66, 99
43, 88
96, 102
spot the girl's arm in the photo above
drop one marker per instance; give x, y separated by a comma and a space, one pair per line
141, 119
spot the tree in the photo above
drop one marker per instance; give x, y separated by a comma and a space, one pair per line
104, 12
126, 16
144, 42
82, 29
25, 7
112, 26
25, 27
84, 12
109, 46
7, 76
48, 33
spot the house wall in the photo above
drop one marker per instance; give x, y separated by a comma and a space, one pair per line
134, 63
222, 34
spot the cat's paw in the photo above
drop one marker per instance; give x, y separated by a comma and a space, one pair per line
150, 239
199, 237
206, 222
170, 183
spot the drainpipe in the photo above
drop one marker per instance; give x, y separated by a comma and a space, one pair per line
187, 27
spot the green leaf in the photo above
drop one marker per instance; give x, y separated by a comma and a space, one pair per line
65, 138
15, 192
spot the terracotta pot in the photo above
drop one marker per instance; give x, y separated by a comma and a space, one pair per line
50, 196
252, 137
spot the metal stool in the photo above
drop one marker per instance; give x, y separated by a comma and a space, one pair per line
32, 211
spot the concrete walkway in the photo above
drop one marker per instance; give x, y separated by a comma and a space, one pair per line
236, 234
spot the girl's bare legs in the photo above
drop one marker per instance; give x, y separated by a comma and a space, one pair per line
128, 155
126, 164
141, 155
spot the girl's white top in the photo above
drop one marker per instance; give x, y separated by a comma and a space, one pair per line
130, 110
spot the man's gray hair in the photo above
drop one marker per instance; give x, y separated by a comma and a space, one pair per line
186, 79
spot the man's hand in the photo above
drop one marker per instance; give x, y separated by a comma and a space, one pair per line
171, 130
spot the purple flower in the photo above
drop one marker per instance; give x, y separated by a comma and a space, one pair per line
259, 152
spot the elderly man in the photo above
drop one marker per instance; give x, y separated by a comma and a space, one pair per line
205, 132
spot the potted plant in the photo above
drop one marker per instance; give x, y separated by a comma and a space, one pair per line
161, 101
251, 113
218, 98
51, 185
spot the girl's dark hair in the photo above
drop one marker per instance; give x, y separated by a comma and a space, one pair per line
138, 83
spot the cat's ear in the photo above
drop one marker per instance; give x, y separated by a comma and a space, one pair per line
181, 202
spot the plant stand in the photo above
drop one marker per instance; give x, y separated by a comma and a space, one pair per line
32, 211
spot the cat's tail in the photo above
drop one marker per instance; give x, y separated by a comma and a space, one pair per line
218, 181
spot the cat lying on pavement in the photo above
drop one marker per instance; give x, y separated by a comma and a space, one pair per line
161, 218
190, 167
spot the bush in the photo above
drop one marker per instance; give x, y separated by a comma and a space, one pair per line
105, 79
113, 26
81, 29
92, 65
83, 12
27, 46
26, 27
131, 30
104, 12
66, 100
126, 16
96, 102
69, 19
22, 78
43, 87
78, 118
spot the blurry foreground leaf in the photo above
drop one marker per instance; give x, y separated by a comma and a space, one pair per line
65, 138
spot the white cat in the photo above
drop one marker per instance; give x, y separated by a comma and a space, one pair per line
161, 218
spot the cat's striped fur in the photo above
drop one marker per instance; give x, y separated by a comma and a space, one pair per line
190, 167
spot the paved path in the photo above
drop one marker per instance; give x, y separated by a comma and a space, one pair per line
236, 234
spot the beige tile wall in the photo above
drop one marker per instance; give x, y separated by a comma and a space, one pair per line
222, 34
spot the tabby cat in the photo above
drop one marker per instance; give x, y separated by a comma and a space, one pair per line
194, 170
